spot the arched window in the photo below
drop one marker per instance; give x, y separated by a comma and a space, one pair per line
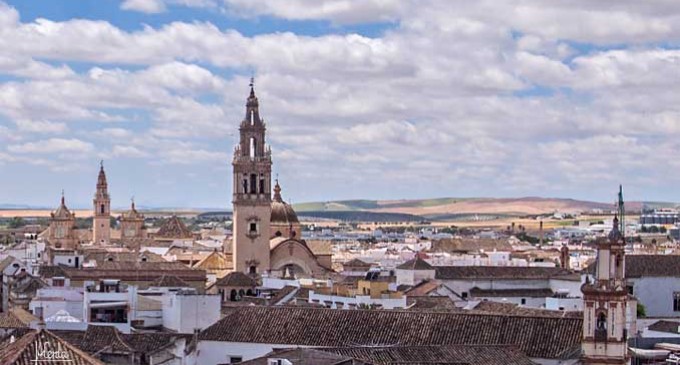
102, 209
233, 295
252, 270
278, 234
261, 183
602, 322
253, 146
253, 184
249, 293
241, 293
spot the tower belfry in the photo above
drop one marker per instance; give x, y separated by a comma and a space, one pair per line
252, 165
101, 222
605, 299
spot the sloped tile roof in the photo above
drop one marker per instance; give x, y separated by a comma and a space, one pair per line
301, 356
503, 272
24, 350
431, 304
137, 271
10, 320
51, 271
97, 339
415, 264
356, 263
174, 228
543, 337
169, 281
638, 266
441, 355
504, 293
236, 278
514, 309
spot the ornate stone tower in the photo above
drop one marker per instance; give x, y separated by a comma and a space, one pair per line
605, 303
252, 193
101, 223
62, 227
132, 224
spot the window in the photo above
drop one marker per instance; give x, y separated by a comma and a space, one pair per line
245, 184
253, 184
57, 282
464, 295
253, 228
524, 301
252, 270
253, 145
630, 289
235, 359
261, 184
601, 321
676, 301
102, 209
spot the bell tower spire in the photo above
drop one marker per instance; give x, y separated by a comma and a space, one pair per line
101, 222
251, 198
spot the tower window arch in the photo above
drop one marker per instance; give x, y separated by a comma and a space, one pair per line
253, 147
602, 321
102, 209
253, 184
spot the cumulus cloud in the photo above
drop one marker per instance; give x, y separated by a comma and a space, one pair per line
53, 145
144, 6
469, 98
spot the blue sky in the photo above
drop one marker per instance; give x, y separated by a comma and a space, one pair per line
374, 99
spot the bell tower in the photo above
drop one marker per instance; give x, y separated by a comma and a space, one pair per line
101, 222
252, 193
605, 300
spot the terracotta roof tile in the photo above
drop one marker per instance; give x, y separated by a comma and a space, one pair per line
24, 350
415, 264
440, 355
638, 266
503, 272
504, 293
543, 337
236, 278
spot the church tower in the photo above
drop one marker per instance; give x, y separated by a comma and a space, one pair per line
101, 223
252, 193
606, 300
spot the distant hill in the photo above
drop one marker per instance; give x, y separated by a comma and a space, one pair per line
443, 207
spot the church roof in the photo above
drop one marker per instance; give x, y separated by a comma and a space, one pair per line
282, 212
62, 211
174, 228
132, 214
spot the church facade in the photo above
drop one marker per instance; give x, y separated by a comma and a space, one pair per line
266, 230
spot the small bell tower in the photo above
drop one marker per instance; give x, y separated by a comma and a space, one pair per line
605, 300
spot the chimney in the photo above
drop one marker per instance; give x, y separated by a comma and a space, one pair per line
540, 233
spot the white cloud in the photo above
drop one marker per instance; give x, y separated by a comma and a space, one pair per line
472, 99
53, 145
144, 6
40, 126
128, 151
